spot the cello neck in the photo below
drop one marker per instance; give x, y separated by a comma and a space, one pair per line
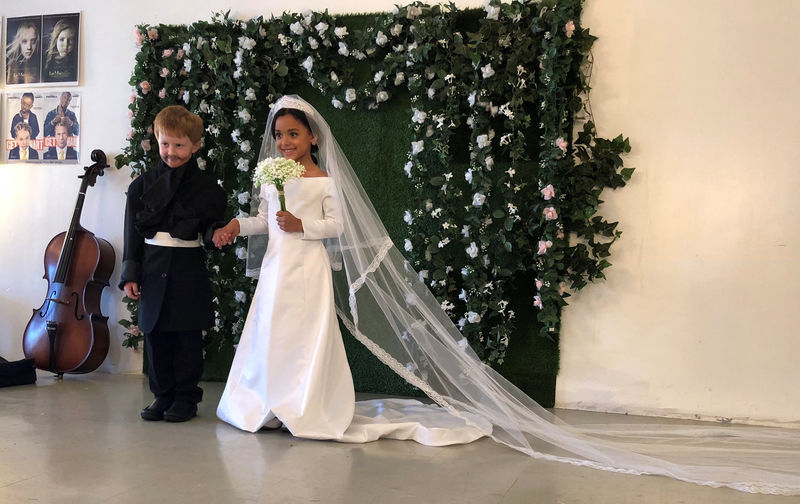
67, 249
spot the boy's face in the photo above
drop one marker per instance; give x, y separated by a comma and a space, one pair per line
176, 149
23, 139
25, 105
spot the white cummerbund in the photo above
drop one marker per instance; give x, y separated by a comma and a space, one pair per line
164, 239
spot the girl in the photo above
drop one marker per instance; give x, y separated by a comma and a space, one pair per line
61, 60
290, 366
22, 55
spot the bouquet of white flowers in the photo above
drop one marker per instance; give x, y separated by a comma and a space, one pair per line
277, 171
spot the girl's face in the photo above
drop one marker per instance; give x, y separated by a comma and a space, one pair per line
28, 42
65, 42
294, 139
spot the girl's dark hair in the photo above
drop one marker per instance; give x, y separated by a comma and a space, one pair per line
300, 116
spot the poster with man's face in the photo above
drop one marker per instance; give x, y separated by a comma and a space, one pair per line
42, 126
42, 49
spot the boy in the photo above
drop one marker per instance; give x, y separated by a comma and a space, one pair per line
23, 151
170, 210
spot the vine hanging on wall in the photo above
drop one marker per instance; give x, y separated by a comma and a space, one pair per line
522, 208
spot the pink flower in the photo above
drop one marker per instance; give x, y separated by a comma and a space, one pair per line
162, 94
132, 98
152, 33
560, 234
167, 53
180, 54
548, 192
569, 28
562, 288
129, 135
543, 246
139, 37
134, 330
164, 72
537, 301
130, 114
146, 144
561, 144
539, 283
145, 86
550, 213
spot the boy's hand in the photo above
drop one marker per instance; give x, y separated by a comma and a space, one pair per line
226, 234
289, 223
132, 290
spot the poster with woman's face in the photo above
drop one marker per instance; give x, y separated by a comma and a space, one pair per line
43, 49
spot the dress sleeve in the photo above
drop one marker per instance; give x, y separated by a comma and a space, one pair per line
258, 224
330, 226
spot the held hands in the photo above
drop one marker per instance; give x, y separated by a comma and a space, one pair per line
226, 234
132, 290
288, 222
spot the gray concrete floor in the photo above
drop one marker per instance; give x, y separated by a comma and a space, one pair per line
81, 441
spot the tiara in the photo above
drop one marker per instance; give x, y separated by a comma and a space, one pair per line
288, 101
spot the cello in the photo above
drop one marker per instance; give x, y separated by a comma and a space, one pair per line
68, 333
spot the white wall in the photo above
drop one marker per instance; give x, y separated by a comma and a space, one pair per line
698, 314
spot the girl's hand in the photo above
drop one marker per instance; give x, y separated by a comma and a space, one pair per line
288, 222
226, 234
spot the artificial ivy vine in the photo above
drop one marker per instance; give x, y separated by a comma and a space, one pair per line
521, 208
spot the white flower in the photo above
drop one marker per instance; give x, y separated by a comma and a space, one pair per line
297, 28
407, 169
489, 163
461, 322
246, 146
340, 31
505, 139
308, 16
492, 12
187, 64
350, 95
468, 175
396, 30
343, 49
447, 305
419, 116
413, 11
423, 275
360, 55
336, 103
471, 99
483, 141
381, 39
186, 96
240, 296
247, 43
312, 43
308, 64
443, 243
378, 76
204, 108
417, 147
243, 197
250, 94
201, 163
478, 199
244, 115
399, 78
431, 93
382, 96
235, 136
241, 252
408, 246
487, 71
463, 344
408, 218
472, 317
243, 164
472, 250
321, 27
334, 77
465, 231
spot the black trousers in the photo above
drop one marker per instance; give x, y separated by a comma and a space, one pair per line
175, 364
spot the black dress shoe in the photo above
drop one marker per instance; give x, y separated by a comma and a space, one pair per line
180, 411
156, 409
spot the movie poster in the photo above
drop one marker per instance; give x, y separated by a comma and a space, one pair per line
42, 50
42, 126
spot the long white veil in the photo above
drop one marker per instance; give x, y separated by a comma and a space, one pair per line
381, 300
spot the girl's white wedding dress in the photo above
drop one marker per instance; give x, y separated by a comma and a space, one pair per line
290, 363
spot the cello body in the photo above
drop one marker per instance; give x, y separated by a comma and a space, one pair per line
68, 333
